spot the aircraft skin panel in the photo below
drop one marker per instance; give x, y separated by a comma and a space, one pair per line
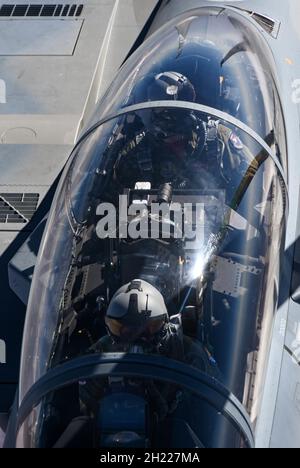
33, 37
127, 14
287, 414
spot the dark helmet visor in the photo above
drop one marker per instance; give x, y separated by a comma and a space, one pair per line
130, 333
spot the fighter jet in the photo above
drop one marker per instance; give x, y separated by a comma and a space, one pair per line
152, 257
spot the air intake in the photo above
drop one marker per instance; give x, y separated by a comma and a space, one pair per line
270, 25
17, 207
44, 11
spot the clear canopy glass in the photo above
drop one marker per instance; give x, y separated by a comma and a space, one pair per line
188, 200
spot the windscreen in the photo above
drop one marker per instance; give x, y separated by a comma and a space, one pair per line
125, 420
180, 206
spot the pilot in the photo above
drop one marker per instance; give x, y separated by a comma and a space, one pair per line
137, 321
175, 145
137, 318
170, 135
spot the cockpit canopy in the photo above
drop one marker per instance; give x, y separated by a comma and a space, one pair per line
180, 184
